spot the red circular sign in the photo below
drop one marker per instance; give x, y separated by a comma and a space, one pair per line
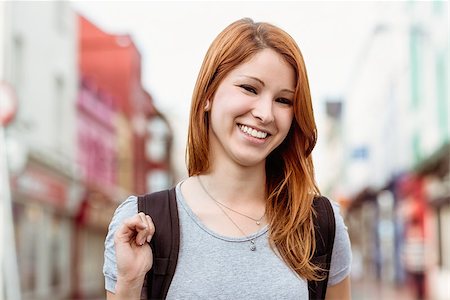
8, 103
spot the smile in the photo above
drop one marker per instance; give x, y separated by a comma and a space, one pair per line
252, 132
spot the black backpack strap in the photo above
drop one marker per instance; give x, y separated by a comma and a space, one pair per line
325, 229
162, 208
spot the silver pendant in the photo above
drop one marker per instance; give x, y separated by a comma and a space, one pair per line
258, 222
253, 246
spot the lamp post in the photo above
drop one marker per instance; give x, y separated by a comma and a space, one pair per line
9, 275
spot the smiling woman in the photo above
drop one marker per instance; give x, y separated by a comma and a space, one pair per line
250, 207
248, 120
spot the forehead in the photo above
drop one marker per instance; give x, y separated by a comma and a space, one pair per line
267, 65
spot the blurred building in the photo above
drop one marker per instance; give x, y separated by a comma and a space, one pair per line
114, 63
86, 136
96, 157
41, 64
396, 137
123, 142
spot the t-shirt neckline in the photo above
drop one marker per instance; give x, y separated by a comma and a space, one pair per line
181, 201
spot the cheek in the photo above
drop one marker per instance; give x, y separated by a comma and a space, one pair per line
230, 105
286, 122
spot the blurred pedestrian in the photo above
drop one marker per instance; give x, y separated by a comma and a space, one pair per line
246, 209
414, 257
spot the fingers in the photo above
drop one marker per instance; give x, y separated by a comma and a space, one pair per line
146, 234
138, 229
151, 228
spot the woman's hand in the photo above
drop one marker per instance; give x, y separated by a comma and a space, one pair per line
133, 253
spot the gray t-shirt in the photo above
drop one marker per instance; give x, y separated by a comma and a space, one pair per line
214, 266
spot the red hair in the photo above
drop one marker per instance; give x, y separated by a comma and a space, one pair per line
290, 180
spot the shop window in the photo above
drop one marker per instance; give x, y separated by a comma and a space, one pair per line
91, 278
27, 219
43, 250
60, 239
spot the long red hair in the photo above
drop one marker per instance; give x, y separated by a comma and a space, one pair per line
290, 180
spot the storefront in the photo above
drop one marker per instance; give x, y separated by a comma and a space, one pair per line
90, 229
60, 227
436, 187
43, 229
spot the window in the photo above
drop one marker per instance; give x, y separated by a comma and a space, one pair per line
156, 145
58, 105
157, 180
18, 62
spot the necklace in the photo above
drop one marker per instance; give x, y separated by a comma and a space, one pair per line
252, 241
258, 221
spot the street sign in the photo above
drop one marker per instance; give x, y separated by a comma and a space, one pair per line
8, 103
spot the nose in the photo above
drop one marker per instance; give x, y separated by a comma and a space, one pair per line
263, 110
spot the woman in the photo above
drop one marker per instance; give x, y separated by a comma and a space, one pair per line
246, 208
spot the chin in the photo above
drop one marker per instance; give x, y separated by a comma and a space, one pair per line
250, 161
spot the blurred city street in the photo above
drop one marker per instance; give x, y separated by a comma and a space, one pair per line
94, 107
371, 290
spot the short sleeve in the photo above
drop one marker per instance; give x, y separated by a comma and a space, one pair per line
125, 210
341, 257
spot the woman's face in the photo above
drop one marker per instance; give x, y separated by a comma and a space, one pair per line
251, 111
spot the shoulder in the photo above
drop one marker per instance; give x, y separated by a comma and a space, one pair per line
322, 207
342, 256
340, 224
157, 203
324, 222
125, 210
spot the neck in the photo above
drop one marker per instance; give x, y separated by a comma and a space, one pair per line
236, 184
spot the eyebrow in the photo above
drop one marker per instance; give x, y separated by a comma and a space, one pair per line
263, 84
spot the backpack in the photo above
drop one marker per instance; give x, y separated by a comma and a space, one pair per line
162, 208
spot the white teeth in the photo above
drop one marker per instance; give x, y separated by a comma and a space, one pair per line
253, 132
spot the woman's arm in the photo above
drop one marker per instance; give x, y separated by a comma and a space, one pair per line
340, 291
133, 255
341, 258
127, 291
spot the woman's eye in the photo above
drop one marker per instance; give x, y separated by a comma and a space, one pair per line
248, 88
284, 101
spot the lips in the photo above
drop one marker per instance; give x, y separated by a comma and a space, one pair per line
253, 132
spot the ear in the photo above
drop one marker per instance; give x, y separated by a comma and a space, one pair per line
208, 105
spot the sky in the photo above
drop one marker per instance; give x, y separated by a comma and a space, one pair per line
173, 38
